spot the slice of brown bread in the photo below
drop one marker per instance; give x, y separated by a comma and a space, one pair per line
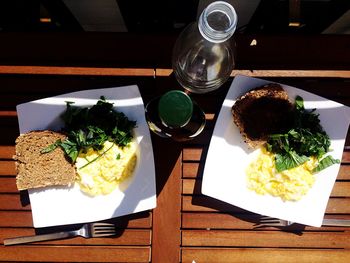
261, 112
36, 169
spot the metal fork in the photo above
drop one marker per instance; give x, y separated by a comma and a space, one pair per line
270, 221
86, 231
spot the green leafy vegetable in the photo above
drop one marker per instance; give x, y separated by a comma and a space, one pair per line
304, 139
92, 127
324, 163
289, 160
51, 147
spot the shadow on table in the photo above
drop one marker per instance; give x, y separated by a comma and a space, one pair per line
24, 197
215, 205
251, 219
121, 223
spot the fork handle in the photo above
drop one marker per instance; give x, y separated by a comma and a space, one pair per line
36, 238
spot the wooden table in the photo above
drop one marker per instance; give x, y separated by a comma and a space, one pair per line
186, 226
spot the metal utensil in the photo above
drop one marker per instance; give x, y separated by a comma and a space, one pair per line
270, 221
86, 231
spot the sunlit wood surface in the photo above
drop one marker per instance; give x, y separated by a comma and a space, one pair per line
186, 226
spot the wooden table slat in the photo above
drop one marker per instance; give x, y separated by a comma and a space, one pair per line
222, 221
277, 73
16, 219
84, 71
218, 238
206, 204
132, 237
253, 255
166, 216
12, 202
75, 253
7, 168
186, 226
7, 151
8, 185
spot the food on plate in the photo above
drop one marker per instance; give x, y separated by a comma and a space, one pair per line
35, 169
91, 127
262, 112
99, 143
289, 185
304, 139
293, 146
96, 144
100, 172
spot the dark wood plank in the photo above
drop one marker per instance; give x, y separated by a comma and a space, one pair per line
155, 50
36, 86
297, 52
80, 49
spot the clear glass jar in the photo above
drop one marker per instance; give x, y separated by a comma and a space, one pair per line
203, 55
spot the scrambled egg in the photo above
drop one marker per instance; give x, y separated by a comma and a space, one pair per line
100, 172
289, 185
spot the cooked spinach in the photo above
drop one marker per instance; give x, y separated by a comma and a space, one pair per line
304, 139
92, 127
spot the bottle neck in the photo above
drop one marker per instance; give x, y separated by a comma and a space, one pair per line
218, 21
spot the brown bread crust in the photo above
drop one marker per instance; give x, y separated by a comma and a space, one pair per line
36, 169
261, 112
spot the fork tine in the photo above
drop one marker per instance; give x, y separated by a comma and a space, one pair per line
103, 225
270, 221
267, 219
103, 229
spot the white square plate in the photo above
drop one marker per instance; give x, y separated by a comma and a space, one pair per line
62, 205
228, 156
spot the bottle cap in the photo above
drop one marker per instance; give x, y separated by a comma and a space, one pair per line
175, 109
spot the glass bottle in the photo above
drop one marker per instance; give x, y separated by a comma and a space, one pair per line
203, 56
175, 115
